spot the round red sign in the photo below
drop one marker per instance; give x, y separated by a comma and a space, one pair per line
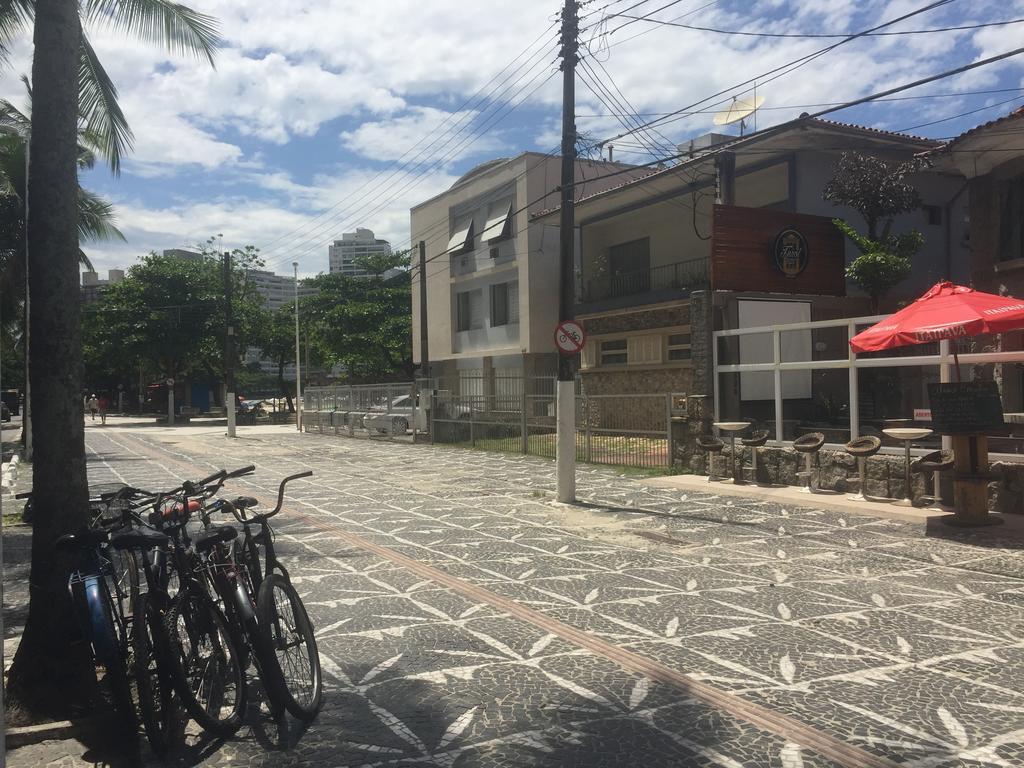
570, 337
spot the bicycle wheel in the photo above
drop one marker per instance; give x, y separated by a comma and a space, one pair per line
108, 649
205, 662
158, 703
286, 630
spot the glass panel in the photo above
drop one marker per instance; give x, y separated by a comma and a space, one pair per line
613, 344
761, 413
680, 354
826, 408
888, 397
678, 339
814, 345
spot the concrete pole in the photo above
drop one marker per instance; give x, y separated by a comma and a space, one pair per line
298, 369
229, 348
170, 403
565, 388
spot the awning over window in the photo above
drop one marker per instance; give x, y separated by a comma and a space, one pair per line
497, 222
462, 237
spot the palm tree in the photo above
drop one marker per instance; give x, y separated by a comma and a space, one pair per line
49, 676
176, 27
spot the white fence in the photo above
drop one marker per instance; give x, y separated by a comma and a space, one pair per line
941, 363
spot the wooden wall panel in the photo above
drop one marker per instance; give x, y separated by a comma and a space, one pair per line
741, 252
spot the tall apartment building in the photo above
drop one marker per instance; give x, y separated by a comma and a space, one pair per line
492, 273
278, 290
344, 254
93, 286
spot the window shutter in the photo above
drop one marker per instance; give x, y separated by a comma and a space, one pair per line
590, 354
644, 350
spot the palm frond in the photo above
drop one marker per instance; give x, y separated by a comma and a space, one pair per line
98, 107
83, 260
15, 17
176, 27
96, 218
13, 120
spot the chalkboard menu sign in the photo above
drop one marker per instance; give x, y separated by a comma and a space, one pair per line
966, 407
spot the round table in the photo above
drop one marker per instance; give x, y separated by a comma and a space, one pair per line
907, 435
732, 427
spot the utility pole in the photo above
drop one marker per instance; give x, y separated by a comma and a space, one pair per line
298, 369
229, 346
565, 446
424, 342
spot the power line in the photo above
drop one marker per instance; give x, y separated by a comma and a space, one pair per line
790, 66
811, 35
820, 104
476, 100
962, 114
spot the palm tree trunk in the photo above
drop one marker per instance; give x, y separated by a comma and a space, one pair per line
52, 673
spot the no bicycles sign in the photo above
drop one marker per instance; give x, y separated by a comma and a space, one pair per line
570, 337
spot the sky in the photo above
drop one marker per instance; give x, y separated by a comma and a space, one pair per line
321, 116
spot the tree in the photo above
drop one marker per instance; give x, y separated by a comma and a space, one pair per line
277, 342
51, 674
365, 323
167, 318
878, 191
172, 25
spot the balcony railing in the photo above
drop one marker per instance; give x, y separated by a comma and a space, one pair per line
684, 276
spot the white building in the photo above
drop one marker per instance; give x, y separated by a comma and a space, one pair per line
93, 287
278, 290
492, 274
344, 254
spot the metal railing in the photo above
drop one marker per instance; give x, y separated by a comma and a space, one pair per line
686, 276
516, 414
384, 411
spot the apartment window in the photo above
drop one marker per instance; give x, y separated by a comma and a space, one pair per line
468, 316
499, 304
504, 304
462, 235
1011, 219
614, 352
934, 214
499, 221
678, 347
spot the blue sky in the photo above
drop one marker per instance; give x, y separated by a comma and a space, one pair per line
300, 132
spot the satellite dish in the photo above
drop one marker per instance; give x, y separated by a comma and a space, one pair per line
739, 111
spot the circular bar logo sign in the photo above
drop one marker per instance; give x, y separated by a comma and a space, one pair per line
790, 252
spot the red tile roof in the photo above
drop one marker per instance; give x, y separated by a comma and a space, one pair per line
1016, 114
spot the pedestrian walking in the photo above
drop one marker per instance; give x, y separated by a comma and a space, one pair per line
104, 406
94, 405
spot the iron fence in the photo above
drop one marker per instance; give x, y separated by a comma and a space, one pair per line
516, 414
376, 411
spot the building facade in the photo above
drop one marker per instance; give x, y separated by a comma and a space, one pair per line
492, 274
344, 255
738, 235
93, 287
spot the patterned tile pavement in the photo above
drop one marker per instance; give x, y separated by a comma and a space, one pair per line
909, 647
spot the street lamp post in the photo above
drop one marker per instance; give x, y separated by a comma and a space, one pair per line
298, 369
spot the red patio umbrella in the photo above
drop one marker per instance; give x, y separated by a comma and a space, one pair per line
946, 311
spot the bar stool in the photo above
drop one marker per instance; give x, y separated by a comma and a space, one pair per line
862, 448
935, 463
711, 445
809, 445
755, 441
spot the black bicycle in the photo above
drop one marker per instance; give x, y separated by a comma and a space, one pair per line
270, 610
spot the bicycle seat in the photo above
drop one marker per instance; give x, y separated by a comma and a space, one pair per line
175, 509
84, 539
214, 536
138, 539
242, 502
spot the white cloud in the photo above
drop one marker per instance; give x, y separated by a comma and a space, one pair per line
407, 135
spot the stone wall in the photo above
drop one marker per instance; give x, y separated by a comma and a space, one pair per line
638, 320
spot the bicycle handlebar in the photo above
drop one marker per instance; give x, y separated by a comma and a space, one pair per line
245, 519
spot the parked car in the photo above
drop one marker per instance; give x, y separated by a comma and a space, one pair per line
393, 421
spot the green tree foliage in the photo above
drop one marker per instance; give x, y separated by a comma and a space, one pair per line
365, 323
878, 190
168, 318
